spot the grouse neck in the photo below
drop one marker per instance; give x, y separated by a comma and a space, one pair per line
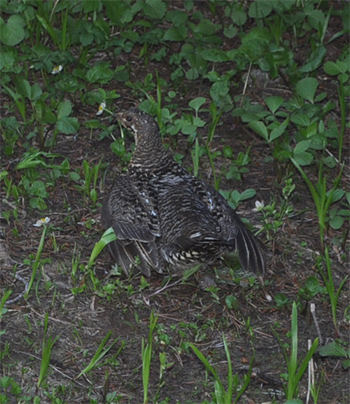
149, 150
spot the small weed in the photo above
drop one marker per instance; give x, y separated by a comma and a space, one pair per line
338, 349
101, 352
48, 344
322, 199
234, 389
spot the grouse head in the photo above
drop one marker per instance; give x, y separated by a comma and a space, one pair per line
148, 141
138, 122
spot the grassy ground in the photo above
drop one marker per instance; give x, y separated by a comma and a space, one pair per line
252, 96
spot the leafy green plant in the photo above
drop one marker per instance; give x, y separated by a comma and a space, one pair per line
10, 389
338, 349
273, 215
90, 180
322, 199
234, 389
48, 344
100, 353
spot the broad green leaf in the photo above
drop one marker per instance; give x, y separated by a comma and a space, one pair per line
273, 103
336, 195
239, 17
307, 88
260, 9
333, 69
336, 222
302, 146
99, 74
303, 158
315, 60
22, 87
247, 194
300, 119
214, 55
35, 92
176, 34
332, 349
277, 132
12, 32
155, 8
260, 128
219, 89
7, 59
316, 18
177, 17
197, 103
67, 125
64, 109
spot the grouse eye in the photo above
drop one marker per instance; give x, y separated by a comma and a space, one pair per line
128, 118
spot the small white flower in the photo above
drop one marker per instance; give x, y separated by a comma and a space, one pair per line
101, 108
258, 206
41, 222
57, 69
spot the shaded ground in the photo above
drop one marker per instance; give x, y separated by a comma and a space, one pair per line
82, 317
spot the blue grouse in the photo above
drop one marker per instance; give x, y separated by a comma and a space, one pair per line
164, 217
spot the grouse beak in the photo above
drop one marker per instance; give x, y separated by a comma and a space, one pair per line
120, 118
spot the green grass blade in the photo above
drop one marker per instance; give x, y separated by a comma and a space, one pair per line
304, 364
107, 237
229, 372
100, 353
206, 363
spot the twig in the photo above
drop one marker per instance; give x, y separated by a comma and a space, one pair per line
311, 374
313, 312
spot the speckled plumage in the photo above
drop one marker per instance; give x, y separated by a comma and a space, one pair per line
164, 217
